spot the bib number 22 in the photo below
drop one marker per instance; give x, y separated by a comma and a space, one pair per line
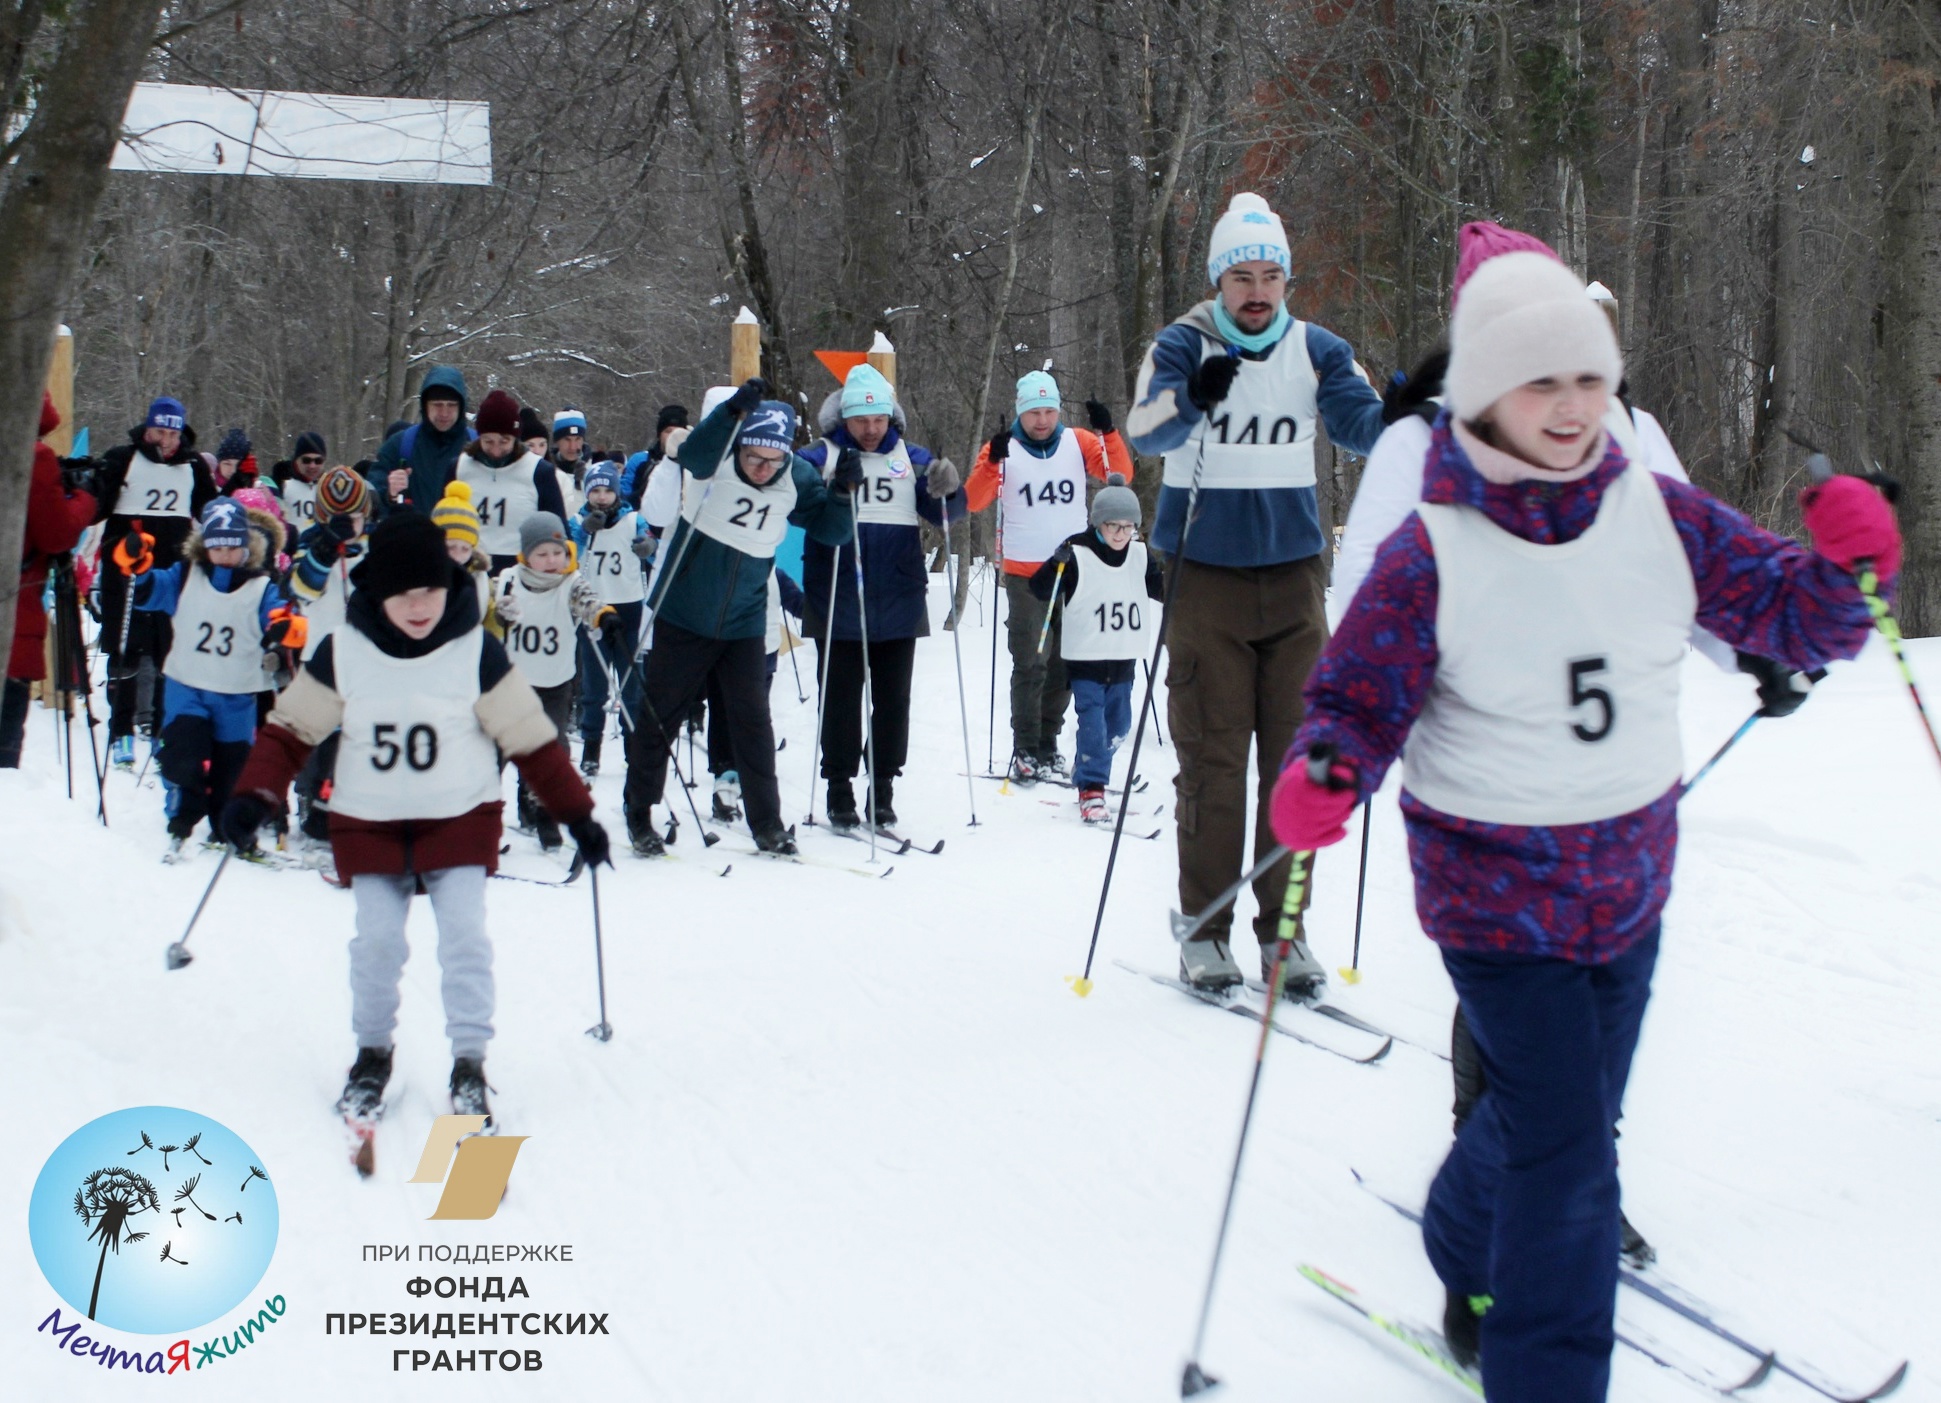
1581, 670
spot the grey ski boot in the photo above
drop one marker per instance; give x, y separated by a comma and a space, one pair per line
1208, 965
1305, 981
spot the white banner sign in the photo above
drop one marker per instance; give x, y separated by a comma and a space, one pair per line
174, 127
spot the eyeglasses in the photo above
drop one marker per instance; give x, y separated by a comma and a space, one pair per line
311, 459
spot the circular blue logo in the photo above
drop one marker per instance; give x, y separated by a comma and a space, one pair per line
153, 1220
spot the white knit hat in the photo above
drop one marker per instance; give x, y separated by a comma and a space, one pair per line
1524, 316
1248, 232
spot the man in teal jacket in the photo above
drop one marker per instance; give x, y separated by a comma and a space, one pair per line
414, 464
742, 488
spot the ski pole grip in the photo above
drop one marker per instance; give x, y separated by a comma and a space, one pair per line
1320, 764
1819, 467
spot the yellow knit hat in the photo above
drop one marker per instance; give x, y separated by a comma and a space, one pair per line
454, 515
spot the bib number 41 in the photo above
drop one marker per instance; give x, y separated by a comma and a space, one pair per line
1605, 713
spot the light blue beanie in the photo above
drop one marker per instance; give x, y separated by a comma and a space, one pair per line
1038, 391
865, 391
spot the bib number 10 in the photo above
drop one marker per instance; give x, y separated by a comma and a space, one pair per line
418, 750
1604, 713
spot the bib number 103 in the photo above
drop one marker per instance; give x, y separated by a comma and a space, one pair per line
418, 747
1594, 725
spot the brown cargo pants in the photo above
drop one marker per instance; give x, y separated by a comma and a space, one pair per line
1240, 645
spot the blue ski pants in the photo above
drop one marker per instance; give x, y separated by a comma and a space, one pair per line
1525, 1208
1104, 718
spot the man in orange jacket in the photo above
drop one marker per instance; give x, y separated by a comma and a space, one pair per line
1035, 468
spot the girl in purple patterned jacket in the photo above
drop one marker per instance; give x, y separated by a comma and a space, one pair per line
1518, 644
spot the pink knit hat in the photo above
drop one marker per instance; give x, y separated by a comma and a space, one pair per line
1481, 241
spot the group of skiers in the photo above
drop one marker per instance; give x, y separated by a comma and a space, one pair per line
1524, 571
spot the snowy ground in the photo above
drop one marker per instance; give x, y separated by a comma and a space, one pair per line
856, 1139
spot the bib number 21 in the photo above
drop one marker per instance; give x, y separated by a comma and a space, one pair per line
1605, 713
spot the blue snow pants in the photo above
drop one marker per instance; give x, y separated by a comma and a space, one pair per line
1525, 1209
1104, 718
593, 677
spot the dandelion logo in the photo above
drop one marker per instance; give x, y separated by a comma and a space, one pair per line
207, 1261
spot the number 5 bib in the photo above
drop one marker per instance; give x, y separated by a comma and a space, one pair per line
1556, 690
412, 744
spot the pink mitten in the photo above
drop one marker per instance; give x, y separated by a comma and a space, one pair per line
1307, 815
1852, 522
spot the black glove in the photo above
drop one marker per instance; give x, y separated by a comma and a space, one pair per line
594, 520
1098, 416
613, 631
999, 447
1415, 392
278, 630
1063, 555
752, 392
1210, 381
1781, 690
592, 841
80, 475
1890, 487
849, 471
242, 816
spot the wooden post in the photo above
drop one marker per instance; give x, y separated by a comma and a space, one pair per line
60, 384
882, 358
744, 348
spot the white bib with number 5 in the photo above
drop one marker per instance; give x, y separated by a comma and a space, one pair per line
218, 637
752, 520
1106, 617
413, 747
1556, 690
156, 489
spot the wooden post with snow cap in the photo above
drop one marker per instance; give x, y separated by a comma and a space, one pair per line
882, 358
744, 348
60, 384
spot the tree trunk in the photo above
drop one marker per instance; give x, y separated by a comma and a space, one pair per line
1912, 317
873, 190
58, 176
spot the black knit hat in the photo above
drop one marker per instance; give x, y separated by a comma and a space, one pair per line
672, 416
531, 426
310, 441
406, 552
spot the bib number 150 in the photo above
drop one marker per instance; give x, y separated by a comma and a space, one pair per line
1603, 715
418, 749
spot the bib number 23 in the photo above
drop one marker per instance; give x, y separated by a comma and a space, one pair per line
418, 749
1604, 711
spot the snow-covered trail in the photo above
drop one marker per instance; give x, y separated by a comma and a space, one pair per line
856, 1139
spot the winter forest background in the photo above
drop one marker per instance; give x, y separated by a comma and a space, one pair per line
996, 183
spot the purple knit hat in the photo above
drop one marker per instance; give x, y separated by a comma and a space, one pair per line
1481, 241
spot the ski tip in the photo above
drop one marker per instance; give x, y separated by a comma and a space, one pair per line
1388, 1046
884, 873
1894, 1381
726, 870
1757, 1376
1078, 984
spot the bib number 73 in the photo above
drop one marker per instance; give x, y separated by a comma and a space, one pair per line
1581, 670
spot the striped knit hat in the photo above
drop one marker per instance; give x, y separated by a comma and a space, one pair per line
454, 515
341, 492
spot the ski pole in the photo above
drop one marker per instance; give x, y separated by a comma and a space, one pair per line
83, 674
957, 648
869, 693
1081, 984
1186, 927
178, 953
1157, 734
788, 634
825, 646
1819, 467
603, 1030
708, 837
997, 581
1044, 633
1193, 1379
1351, 973
1719, 754
63, 681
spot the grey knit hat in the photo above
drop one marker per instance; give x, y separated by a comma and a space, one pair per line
539, 528
1115, 502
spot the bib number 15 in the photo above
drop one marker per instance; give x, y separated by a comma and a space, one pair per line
1604, 713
